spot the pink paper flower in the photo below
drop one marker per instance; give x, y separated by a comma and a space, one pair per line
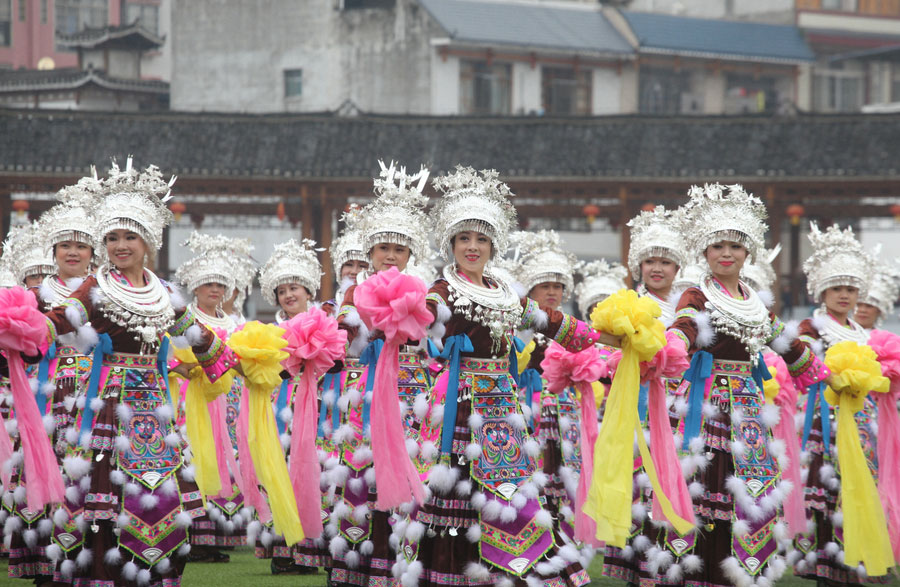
314, 342
22, 327
887, 346
394, 303
563, 368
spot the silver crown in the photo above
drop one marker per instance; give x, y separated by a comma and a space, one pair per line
655, 233
73, 219
717, 213
136, 202
349, 245
213, 262
473, 201
690, 276
884, 285
398, 213
543, 259
837, 259
291, 262
760, 275
600, 280
26, 248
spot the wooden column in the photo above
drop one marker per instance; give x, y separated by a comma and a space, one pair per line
327, 236
624, 217
776, 223
306, 222
5, 211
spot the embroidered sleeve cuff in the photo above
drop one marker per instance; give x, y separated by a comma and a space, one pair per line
808, 369
575, 335
531, 313
345, 309
683, 337
777, 330
687, 312
185, 321
51, 330
76, 304
217, 360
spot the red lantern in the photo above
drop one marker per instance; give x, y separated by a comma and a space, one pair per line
197, 220
177, 209
279, 212
20, 207
795, 212
649, 207
895, 210
591, 211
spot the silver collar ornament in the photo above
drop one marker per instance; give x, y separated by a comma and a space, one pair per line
747, 320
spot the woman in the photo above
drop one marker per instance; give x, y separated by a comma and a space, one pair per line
485, 463
394, 235
734, 466
289, 280
65, 229
883, 290
347, 255
126, 424
208, 276
838, 274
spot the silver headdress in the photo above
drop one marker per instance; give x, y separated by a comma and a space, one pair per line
655, 234
884, 286
473, 201
689, 276
212, 263
349, 246
760, 275
73, 219
600, 280
26, 248
243, 269
136, 202
291, 262
543, 259
717, 213
398, 213
837, 259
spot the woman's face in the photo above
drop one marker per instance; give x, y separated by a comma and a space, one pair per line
387, 255
472, 250
866, 315
549, 294
72, 258
726, 258
840, 299
292, 298
210, 295
34, 280
658, 273
352, 268
126, 249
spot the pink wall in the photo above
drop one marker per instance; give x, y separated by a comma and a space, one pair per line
32, 39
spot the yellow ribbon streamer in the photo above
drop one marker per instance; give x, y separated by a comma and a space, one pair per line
635, 319
201, 391
771, 387
259, 347
856, 372
523, 358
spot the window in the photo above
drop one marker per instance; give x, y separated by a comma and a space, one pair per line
895, 83
145, 14
73, 16
359, 4
22, 11
663, 91
565, 90
484, 88
43, 11
836, 90
5, 22
293, 83
747, 94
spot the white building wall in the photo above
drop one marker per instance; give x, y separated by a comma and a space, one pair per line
713, 91
158, 64
629, 80
444, 84
526, 89
124, 64
606, 91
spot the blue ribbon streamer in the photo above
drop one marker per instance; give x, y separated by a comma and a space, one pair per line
43, 377
760, 372
369, 357
518, 346
531, 381
281, 403
699, 371
817, 390
454, 347
162, 365
332, 381
643, 401
104, 347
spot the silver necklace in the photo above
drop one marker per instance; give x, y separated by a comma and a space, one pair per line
222, 322
746, 320
59, 289
144, 311
833, 333
666, 306
498, 309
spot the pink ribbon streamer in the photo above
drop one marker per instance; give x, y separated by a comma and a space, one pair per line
585, 526
6, 453
222, 442
252, 495
887, 346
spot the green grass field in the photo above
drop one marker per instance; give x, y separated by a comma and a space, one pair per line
244, 569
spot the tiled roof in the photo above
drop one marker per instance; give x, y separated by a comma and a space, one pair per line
91, 38
724, 39
528, 24
33, 80
688, 149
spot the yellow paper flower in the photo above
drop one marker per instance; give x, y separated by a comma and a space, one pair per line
855, 370
524, 357
635, 319
259, 347
771, 386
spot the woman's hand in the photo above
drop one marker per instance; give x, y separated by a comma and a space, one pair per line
184, 369
610, 340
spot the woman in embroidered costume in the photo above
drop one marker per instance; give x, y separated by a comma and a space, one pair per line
208, 276
482, 522
394, 234
878, 303
136, 515
63, 370
348, 256
838, 274
290, 280
733, 461
654, 259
